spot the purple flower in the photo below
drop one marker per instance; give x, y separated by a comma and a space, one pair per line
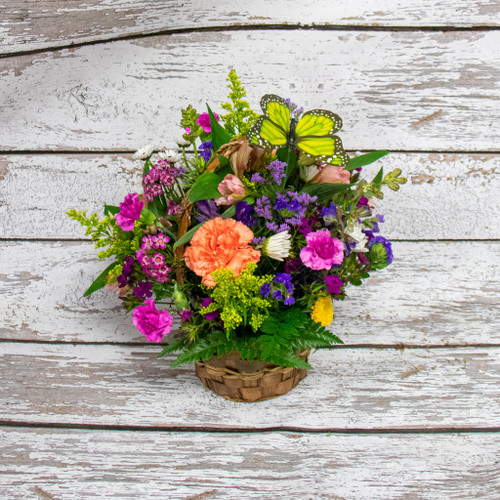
152, 322
212, 315
329, 214
293, 265
294, 205
263, 208
265, 289
204, 121
185, 315
289, 301
387, 246
322, 251
205, 150
207, 210
281, 202
244, 214
334, 284
363, 201
144, 290
258, 240
127, 269
277, 294
258, 179
130, 211
277, 169
286, 280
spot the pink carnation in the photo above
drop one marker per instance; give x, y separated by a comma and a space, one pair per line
152, 322
204, 121
232, 190
130, 211
322, 251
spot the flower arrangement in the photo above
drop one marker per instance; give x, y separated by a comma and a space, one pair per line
246, 234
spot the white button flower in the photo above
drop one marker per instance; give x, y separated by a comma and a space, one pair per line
145, 152
182, 142
170, 155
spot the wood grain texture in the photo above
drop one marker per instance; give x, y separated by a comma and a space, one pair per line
37, 190
66, 464
426, 297
347, 389
51, 23
428, 91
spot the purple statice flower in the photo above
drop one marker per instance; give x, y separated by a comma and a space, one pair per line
295, 111
207, 210
127, 269
273, 226
277, 294
244, 214
265, 289
293, 266
258, 240
281, 202
258, 179
144, 290
263, 208
334, 284
185, 315
205, 150
277, 169
329, 214
295, 221
130, 211
387, 246
289, 301
212, 315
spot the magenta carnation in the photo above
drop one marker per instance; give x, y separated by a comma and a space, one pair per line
322, 251
130, 211
204, 121
152, 322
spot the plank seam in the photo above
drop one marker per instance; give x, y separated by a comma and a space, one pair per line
255, 27
249, 430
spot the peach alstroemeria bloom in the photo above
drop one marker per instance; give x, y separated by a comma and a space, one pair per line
220, 244
332, 174
231, 189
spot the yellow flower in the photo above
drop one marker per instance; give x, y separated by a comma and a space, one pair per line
322, 311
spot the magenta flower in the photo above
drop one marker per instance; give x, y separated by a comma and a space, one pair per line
334, 284
130, 211
204, 121
322, 251
152, 322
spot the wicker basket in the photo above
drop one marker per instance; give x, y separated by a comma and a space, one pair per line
248, 381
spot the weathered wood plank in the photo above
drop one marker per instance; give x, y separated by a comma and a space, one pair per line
440, 186
130, 465
48, 23
428, 91
354, 388
426, 297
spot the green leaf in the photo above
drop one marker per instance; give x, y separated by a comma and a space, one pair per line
367, 159
147, 217
110, 210
219, 134
325, 191
147, 166
205, 187
100, 281
378, 178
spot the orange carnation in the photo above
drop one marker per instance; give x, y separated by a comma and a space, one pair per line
220, 243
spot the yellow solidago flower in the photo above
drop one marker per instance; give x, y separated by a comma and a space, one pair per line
322, 311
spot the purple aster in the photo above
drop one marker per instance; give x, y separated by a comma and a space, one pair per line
294, 205
205, 150
329, 214
144, 290
277, 169
289, 301
286, 280
265, 289
207, 209
281, 202
334, 284
244, 214
277, 294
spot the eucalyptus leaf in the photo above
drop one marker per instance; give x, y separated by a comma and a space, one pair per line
367, 159
100, 281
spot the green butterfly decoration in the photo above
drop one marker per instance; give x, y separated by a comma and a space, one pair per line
313, 133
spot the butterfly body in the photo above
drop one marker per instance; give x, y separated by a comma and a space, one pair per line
313, 133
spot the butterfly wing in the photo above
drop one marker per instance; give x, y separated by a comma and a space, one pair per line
315, 136
272, 127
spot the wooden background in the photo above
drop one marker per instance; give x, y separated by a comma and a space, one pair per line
408, 408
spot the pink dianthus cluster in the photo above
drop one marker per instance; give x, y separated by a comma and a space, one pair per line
153, 263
